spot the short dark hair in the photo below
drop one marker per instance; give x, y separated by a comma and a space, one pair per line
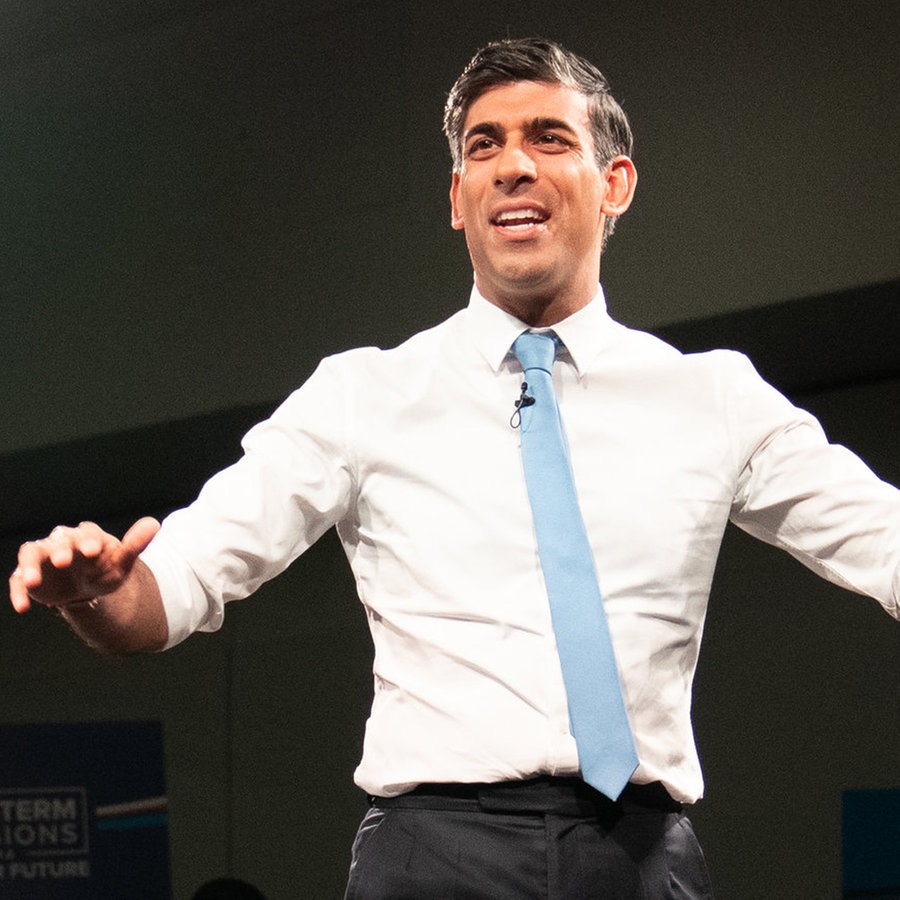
537, 59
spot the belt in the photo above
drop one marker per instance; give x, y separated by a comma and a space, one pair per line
545, 794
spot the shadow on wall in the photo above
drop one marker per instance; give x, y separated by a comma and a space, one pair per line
228, 889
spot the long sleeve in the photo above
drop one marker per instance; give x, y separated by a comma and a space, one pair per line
818, 501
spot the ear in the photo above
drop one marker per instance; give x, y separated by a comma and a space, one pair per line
621, 180
457, 221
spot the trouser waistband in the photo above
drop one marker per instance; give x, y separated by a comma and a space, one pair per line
545, 794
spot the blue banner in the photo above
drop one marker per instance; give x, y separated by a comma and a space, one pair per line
83, 812
871, 826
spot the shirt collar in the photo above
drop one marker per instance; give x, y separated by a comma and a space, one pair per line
584, 333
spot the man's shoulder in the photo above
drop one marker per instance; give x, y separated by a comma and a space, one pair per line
648, 358
653, 345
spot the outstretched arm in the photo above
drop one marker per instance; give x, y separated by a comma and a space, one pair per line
108, 596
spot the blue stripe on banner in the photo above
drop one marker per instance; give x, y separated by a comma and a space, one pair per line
132, 822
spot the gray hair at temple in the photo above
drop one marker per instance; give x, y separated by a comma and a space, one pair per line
536, 59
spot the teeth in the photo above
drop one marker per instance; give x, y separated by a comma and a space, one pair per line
518, 217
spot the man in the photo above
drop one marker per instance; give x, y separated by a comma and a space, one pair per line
474, 771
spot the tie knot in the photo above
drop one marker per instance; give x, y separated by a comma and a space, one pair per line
536, 350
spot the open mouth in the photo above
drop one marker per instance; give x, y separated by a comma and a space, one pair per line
519, 218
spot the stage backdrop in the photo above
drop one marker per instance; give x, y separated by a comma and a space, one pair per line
872, 845
83, 812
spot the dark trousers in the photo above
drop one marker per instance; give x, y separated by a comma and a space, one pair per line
544, 839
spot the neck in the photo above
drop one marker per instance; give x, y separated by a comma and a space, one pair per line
540, 311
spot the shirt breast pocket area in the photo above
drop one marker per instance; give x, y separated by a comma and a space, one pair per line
656, 521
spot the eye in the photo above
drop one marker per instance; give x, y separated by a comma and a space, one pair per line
550, 140
480, 147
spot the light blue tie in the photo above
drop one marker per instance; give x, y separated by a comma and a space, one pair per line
597, 714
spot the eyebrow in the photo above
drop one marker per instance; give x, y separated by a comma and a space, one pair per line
537, 125
547, 123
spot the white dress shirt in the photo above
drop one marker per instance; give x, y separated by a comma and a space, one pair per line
410, 452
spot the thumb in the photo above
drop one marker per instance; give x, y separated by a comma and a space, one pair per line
137, 539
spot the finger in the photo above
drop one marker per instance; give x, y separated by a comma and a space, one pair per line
58, 550
58, 547
18, 594
32, 556
138, 538
87, 539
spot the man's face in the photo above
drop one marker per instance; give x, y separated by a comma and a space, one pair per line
531, 199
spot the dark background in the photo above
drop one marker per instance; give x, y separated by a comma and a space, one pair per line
200, 199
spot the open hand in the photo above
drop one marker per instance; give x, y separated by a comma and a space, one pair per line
79, 563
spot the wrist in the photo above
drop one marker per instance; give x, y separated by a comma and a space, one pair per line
75, 605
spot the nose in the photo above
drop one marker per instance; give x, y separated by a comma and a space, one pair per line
514, 166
